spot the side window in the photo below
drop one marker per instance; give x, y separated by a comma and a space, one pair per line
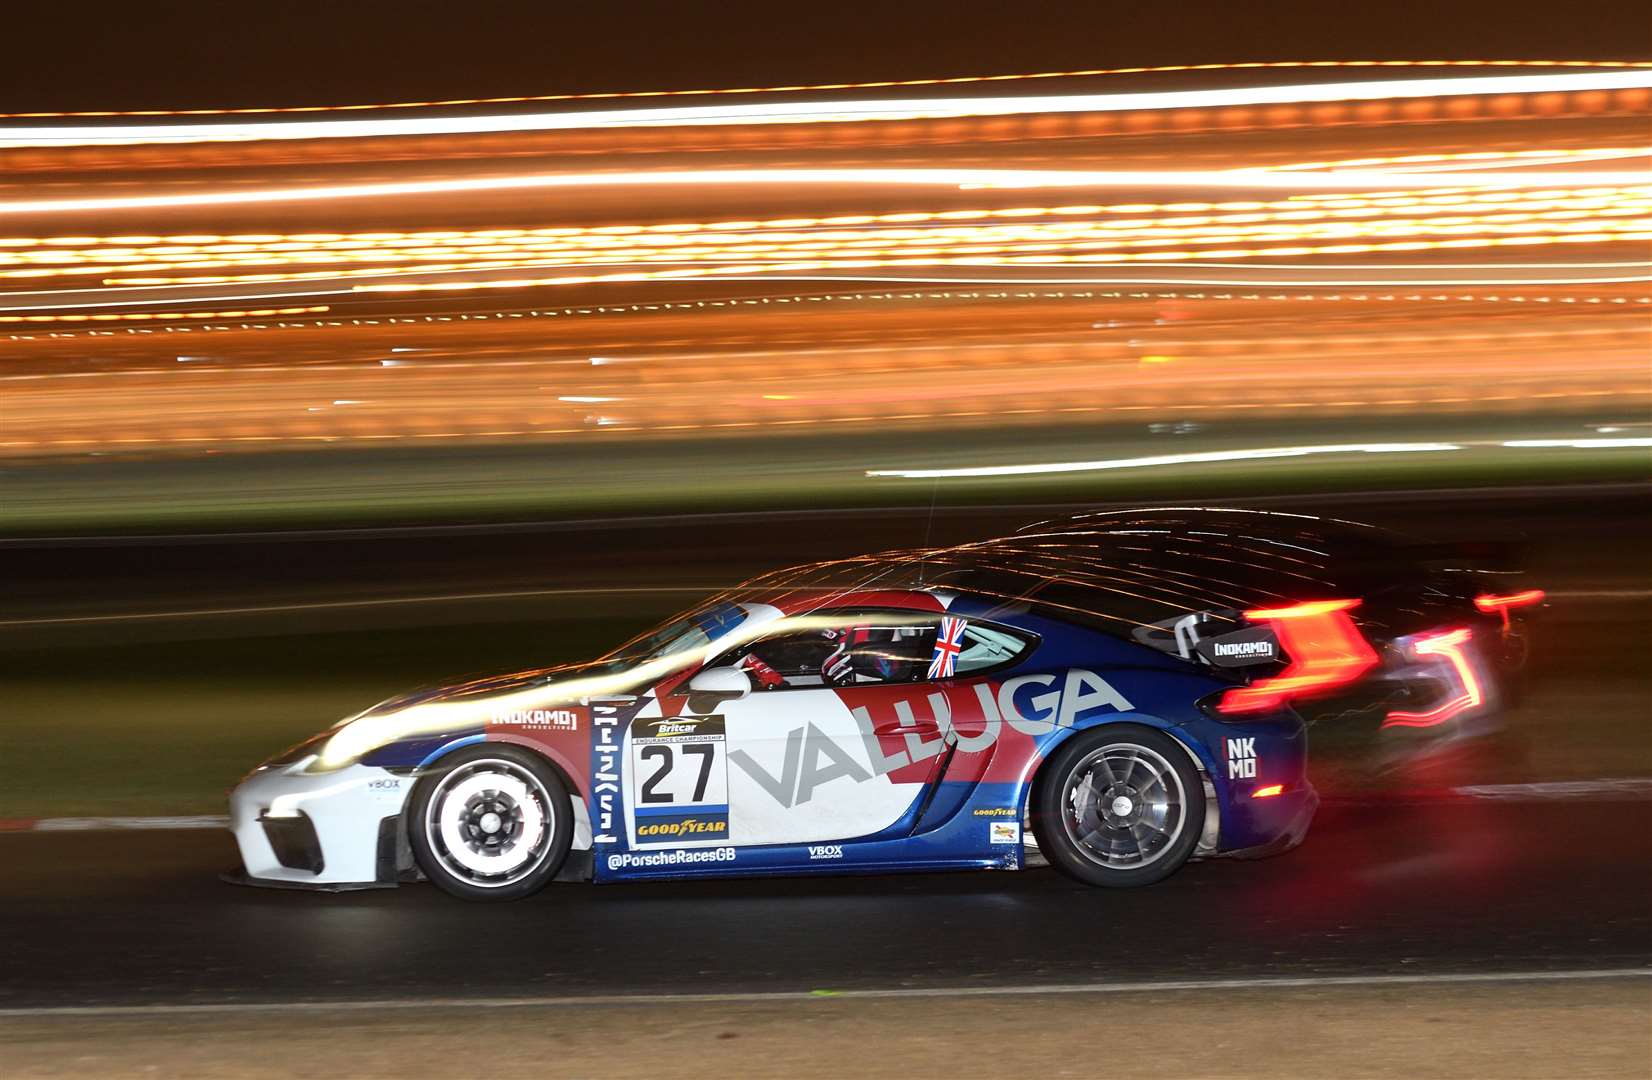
873, 647
987, 647
839, 650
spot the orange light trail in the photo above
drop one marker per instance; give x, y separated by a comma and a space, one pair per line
961, 80
164, 316
1362, 259
848, 111
1072, 234
483, 253
1308, 204
1095, 260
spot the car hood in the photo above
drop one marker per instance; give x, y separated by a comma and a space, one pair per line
499, 685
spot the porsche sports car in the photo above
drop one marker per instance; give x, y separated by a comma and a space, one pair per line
1112, 693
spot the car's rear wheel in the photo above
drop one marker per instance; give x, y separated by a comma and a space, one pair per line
1120, 805
493, 823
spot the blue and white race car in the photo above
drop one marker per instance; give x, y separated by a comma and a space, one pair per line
1113, 694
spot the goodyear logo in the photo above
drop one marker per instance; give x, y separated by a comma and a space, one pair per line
688, 827
996, 811
676, 826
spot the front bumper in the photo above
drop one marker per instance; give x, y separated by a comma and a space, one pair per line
325, 830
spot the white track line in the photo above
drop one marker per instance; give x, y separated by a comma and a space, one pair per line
783, 996
1628, 787
91, 824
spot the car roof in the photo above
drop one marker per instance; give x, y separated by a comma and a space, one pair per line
1120, 568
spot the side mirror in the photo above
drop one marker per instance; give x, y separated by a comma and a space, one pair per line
720, 683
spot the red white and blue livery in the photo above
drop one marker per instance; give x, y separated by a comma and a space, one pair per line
1113, 694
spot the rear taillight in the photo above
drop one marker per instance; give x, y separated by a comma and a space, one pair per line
1490, 602
1325, 648
1499, 604
1449, 647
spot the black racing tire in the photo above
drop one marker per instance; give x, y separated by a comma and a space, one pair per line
1137, 830
490, 822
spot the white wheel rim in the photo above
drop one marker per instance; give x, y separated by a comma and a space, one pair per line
489, 823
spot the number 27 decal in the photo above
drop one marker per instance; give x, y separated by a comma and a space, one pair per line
662, 753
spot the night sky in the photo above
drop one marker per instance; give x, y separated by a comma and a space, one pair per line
127, 54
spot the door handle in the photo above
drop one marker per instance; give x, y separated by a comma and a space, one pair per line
922, 727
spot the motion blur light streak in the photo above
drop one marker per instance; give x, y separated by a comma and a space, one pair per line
837, 111
1203, 458
960, 179
890, 83
129, 316
1579, 444
1302, 207
379, 726
920, 177
1311, 274
1489, 602
1450, 646
742, 241
1325, 650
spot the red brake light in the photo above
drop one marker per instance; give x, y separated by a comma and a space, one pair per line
1326, 650
1494, 604
1490, 602
1268, 792
1449, 646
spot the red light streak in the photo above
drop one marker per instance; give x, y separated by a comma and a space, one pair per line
1325, 648
1268, 792
1448, 645
1490, 602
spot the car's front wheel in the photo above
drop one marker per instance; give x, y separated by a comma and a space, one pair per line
1119, 805
493, 823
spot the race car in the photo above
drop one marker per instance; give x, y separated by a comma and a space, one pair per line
1113, 694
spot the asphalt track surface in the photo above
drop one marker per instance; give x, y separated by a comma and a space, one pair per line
1422, 887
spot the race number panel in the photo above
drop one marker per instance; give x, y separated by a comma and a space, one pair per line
677, 780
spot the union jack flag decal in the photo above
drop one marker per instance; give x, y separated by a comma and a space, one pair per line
949, 642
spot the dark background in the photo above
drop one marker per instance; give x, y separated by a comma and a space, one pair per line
128, 55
